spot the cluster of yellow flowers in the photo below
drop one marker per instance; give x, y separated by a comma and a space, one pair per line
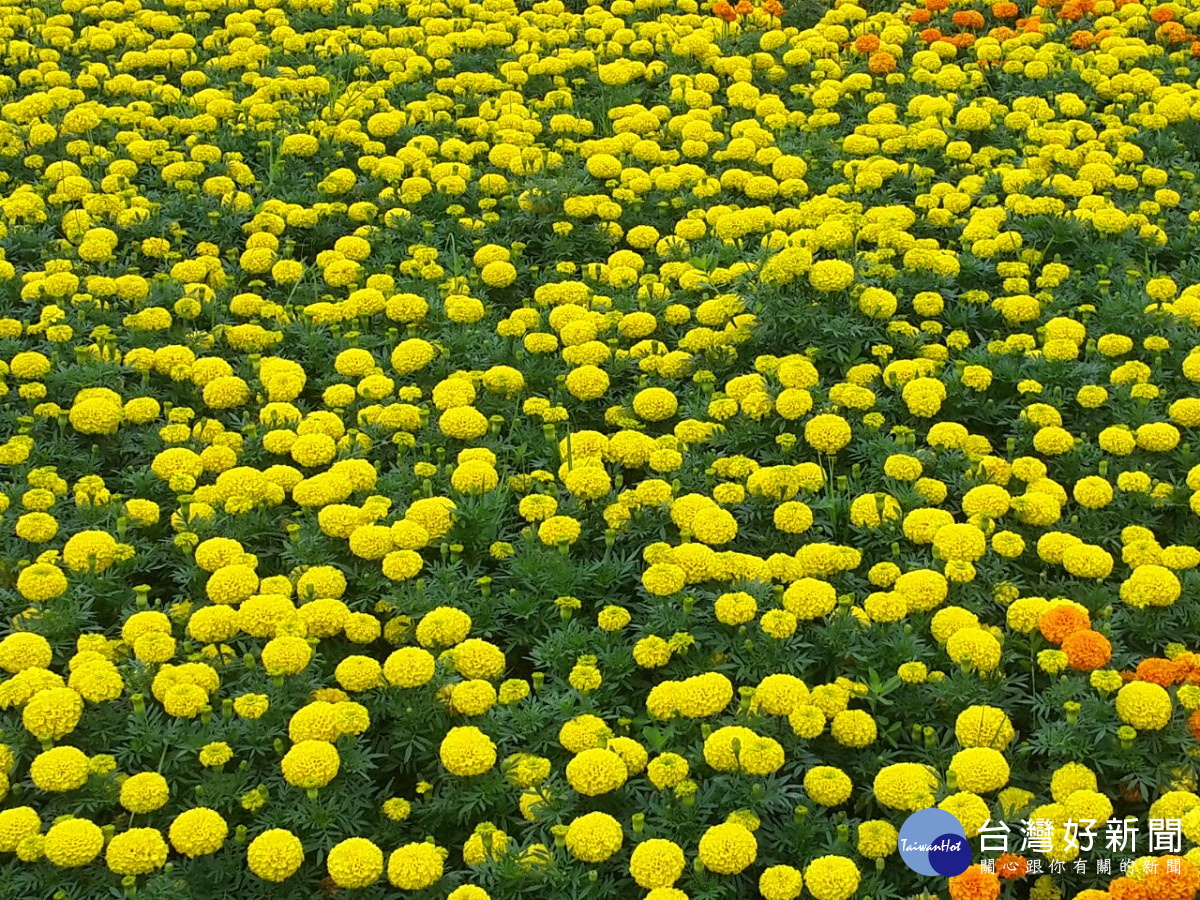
646, 443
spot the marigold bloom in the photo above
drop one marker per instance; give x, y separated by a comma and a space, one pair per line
1164, 672
975, 884
882, 63
1010, 866
1059, 621
1087, 650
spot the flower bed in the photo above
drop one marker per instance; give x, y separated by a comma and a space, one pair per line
639, 449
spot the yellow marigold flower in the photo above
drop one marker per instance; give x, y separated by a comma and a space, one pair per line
354, 863
827, 433
144, 793
728, 849
275, 855
594, 837
414, 867
656, 863
832, 878
73, 842
467, 751
198, 832
1145, 706
137, 851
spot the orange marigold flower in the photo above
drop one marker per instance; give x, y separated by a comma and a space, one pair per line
866, 43
1162, 14
1172, 33
929, 35
723, 10
937, 5
919, 17
1011, 865
1182, 884
1164, 672
974, 884
967, 18
1190, 663
881, 63
961, 41
1087, 650
1081, 40
1127, 889
1193, 724
1005, 10
1059, 621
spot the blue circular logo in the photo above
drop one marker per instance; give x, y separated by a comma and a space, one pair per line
933, 842
950, 855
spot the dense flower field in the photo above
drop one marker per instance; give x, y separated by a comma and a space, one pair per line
636, 450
